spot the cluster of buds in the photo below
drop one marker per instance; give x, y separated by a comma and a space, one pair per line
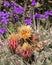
24, 32
24, 49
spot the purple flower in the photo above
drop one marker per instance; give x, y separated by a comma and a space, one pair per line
2, 30
5, 14
5, 17
47, 14
6, 3
33, 3
1, 14
18, 10
28, 21
38, 16
14, 5
50, 12
4, 20
16, 18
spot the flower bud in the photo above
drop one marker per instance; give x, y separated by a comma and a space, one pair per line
26, 50
13, 41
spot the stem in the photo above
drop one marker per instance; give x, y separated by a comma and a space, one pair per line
47, 24
34, 24
38, 25
2, 37
25, 6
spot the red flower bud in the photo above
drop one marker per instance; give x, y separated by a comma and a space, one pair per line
35, 38
26, 50
13, 41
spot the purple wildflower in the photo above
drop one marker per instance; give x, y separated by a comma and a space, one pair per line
5, 17
16, 18
2, 30
4, 14
6, 3
4, 20
46, 15
28, 21
14, 5
1, 14
33, 3
17, 9
38, 16
50, 12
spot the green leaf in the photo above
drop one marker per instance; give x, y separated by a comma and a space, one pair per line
43, 20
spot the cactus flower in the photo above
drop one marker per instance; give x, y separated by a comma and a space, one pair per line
13, 41
26, 50
24, 31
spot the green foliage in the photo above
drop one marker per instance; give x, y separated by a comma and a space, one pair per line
43, 20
